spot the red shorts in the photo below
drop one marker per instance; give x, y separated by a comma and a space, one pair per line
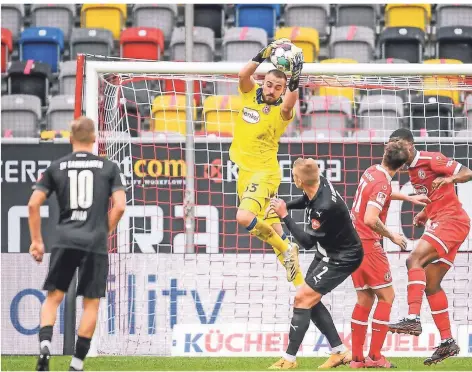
446, 234
374, 271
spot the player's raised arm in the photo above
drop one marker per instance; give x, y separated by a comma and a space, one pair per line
291, 96
463, 175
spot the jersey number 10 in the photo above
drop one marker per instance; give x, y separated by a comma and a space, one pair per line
81, 188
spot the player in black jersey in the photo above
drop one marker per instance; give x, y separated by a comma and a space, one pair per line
83, 184
339, 254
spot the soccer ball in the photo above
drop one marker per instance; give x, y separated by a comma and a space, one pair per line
282, 56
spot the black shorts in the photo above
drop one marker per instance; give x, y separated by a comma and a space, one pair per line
324, 276
93, 272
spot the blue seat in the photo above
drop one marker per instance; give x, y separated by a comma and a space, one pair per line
257, 15
42, 44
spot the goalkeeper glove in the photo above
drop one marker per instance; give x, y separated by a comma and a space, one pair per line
296, 70
265, 52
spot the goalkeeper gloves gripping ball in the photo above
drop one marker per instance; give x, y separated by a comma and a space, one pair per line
296, 70
265, 52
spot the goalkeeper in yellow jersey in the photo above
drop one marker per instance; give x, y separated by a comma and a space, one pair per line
266, 112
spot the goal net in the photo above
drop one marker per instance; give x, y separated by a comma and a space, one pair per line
169, 127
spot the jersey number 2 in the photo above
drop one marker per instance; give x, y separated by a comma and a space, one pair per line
81, 188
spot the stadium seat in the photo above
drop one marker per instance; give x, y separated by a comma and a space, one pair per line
321, 134
454, 43
408, 15
20, 115
211, 16
68, 71
243, 43
308, 15
108, 16
42, 44
257, 15
389, 60
29, 77
431, 116
468, 111
12, 18
7, 47
46, 135
54, 15
329, 112
337, 91
365, 15
176, 86
432, 83
91, 41
161, 16
220, 113
169, 113
142, 43
303, 37
402, 42
203, 48
355, 42
454, 15
60, 112
382, 113
227, 86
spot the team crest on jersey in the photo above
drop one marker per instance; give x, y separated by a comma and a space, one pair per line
266, 109
421, 174
388, 276
420, 190
315, 224
433, 225
384, 187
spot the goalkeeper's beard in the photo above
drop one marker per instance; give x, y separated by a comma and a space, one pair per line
266, 100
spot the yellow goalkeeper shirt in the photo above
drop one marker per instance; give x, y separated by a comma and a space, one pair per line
257, 132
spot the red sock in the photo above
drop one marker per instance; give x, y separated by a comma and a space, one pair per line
439, 310
379, 328
416, 285
360, 315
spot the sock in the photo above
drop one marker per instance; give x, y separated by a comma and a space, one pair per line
439, 310
338, 349
299, 279
298, 327
360, 315
322, 319
416, 285
379, 328
266, 233
82, 347
45, 337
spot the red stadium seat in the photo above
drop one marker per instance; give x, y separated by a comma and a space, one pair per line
179, 87
142, 43
7, 47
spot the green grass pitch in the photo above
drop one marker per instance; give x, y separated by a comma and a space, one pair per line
61, 363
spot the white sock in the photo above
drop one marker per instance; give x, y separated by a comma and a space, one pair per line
413, 317
338, 349
77, 363
444, 340
45, 343
290, 358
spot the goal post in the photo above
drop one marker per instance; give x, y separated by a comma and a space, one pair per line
228, 296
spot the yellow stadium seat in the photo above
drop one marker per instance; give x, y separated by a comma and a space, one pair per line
306, 38
220, 113
408, 15
169, 114
432, 83
339, 60
109, 16
347, 92
51, 134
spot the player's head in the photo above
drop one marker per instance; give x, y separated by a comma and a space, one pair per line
395, 155
305, 173
406, 137
275, 83
82, 132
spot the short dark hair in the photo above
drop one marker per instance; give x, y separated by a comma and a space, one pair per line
395, 155
402, 134
278, 74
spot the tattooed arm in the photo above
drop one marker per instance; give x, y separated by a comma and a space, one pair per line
372, 220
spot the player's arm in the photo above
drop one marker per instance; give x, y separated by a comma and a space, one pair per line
118, 198
372, 220
291, 96
464, 175
298, 203
421, 199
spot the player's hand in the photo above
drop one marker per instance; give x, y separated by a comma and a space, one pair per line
36, 250
420, 219
297, 67
265, 52
267, 211
421, 199
441, 181
400, 240
279, 207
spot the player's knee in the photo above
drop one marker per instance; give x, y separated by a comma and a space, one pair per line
365, 300
411, 261
432, 288
55, 296
244, 217
387, 295
305, 298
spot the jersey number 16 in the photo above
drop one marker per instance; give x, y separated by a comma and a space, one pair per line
81, 189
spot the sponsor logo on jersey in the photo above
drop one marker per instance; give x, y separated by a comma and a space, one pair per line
266, 109
420, 190
315, 224
388, 276
251, 116
421, 174
381, 197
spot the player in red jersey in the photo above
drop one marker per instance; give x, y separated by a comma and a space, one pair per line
447, 226
373, 278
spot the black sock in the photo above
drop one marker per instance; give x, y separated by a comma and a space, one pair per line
324, 322
45, 337
82, 347
298, 327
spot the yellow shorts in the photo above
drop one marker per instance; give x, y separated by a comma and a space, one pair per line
255, 191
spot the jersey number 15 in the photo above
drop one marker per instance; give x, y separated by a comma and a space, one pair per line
81, 189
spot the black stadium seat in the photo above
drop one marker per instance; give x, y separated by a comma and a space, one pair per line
211, 16
431, 115
29, 77
454, 43
402, 42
